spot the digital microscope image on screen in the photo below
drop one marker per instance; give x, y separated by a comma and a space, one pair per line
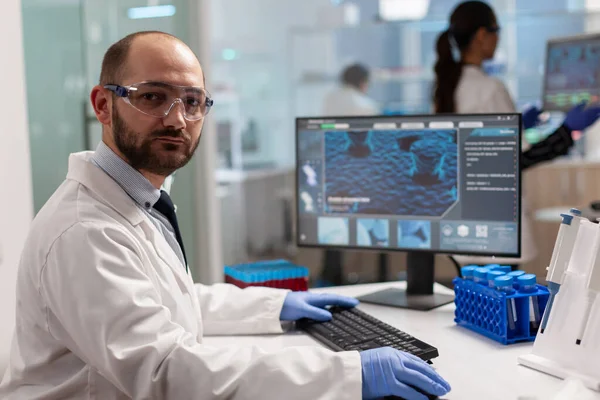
310, 186
310, 144
333, 231
414, 234
392, 172
373, 232
310, 175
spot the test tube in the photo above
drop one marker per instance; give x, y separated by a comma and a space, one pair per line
480, 275
527, 285
504, 268
493, 275
515, 275
467, 272
505, 284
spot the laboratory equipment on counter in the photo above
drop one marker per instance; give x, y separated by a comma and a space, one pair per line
527, 284
280, 274
504, 268
480, 275
515, 275
492, 275
563, 249
592, 285
571, 341
492, 313
467, 271
504, 284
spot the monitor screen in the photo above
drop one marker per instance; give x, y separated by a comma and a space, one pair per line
572, 72
437, 183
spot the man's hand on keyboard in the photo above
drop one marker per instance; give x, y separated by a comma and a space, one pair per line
389, 372
299, 305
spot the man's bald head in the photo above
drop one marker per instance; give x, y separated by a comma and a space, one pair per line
115, 59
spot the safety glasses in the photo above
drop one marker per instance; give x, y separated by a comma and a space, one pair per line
157, 99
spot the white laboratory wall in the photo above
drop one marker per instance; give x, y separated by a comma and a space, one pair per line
15, 175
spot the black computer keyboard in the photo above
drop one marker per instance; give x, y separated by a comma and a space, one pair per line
352, 329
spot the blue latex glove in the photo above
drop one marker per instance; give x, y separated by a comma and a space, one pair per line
579, 117
389, 372
530, 117
312, 305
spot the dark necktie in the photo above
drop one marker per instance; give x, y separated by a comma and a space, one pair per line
165, 206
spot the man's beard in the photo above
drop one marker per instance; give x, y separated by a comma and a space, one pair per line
138, 152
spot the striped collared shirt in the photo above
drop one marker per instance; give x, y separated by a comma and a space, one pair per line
139, 189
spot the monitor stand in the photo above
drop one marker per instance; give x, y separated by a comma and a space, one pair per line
419, 287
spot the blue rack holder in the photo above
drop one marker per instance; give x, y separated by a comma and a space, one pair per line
282, 273
484, 310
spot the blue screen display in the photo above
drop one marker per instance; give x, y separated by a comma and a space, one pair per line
572, 72
431, 183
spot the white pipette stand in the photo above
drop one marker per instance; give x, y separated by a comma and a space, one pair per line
575, 315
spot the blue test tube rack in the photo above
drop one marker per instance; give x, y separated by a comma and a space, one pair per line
280, 274
484, 310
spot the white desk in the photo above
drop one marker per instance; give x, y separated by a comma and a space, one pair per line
476, 367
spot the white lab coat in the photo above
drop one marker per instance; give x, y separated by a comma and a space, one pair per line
479, 93
348, 101
106, 310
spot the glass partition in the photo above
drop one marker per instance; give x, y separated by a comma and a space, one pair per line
54, 71
61, 69
401, 56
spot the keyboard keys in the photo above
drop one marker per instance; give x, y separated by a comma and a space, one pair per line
366, 338
369, 345
352, 329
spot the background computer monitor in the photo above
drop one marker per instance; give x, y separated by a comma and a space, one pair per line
572, 73
421, 184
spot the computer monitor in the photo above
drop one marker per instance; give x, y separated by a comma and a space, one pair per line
572, 72
418, 184
572, 75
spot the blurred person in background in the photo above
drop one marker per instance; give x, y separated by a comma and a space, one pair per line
350, 98
461, 86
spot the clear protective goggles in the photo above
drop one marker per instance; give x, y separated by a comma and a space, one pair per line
157, 99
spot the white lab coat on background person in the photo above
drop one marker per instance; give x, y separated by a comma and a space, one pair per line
347, 100
108, 312
479, 93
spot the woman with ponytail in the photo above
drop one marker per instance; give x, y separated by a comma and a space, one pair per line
461, 86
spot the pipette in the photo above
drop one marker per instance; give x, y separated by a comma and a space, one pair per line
593, 287
563, 249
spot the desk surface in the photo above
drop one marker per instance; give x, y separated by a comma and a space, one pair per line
476, 367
